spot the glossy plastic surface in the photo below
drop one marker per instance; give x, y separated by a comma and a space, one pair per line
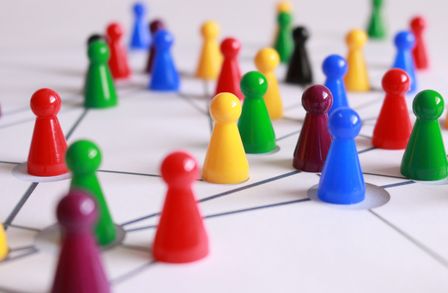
140, 37
230, 74
4, 248
404, 43
377, 27
418, 27
118, 61
299, 67
154, 27
335, 68
210, 58
357, 78
284, 44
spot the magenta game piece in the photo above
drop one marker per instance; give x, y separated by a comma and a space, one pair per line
154, 27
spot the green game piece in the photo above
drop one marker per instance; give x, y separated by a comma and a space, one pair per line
284, 43
83, 158
99, 86
425, 156
255, 125
377, 28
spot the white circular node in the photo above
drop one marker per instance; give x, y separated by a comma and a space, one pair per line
20, 172
375, 197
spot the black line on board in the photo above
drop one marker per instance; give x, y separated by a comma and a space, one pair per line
366, 150
9, 163
407, 182
287, 135
32, 229
20, 256
8, 290
129, 173
28, 247
383, 175
77, 122
20, 204
192, 103
132, 273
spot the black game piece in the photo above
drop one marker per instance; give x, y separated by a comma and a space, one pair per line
299, 68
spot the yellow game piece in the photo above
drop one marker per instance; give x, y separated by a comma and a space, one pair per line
3, 243
210, 60
266, 61
356, 79
284, 6
226, 161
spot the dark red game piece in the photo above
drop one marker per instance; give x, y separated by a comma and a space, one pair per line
230, 75
418, 25
48, 145
180, 236
118, 61
79, 268
393, 127
314, 140
154, 27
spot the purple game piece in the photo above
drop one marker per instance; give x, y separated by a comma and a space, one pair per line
154, 26
79, 268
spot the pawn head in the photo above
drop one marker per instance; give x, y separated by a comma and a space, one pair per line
163, 39
45, 102
344, 123
418, 24
396, 82
334, 66
209, 29
267, 60
377, 3
98, 52
94, 37
254, 85
139, 9
156, 25
317, 99
83, 157
284, 6
356, 38
179, 168
404, 40
428, 105
114, 31
76, 211
225, 108
230, 47
300, 34
284, 19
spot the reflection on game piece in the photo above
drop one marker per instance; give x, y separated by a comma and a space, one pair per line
377, 28
284, 43
335, 68
154, 27
404, 43
314, 140
393, 126
342, 181
99, 86
180, 235
255, 126
94, 37
3, 243
425, 156
299, 67
210, 59
165, 76
83, 159
79, 268
140, 37
356, 79
230, 74
47, 151
266, 61
225, 161
418, 26
118, 61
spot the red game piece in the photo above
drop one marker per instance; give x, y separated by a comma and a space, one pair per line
154, 27
230, 75
314, 140
48, 145
418, 25
180, 236
79, 268
393, 127
118, 61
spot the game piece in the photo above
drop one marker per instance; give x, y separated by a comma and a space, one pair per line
180, 235
255, 125
99, 86
393, 126
140, 37
405, 42
83, 159
165, 76
266, 61
418, 26
48, 145
154, 27
230, 75
3, 243
335, 68
299, 67
284, 43
79, 268
425, 156
118, 61
314, 140
210, 59
356, 79
342, 181
377, 28
94, 37
225, 161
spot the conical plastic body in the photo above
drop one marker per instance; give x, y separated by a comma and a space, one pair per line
210, 58
299, 67
140, 37
421, 60
335, 68
3, 243
339, 93
284, 43
118, 61
357, 78
230, 75
405, 42
376, 28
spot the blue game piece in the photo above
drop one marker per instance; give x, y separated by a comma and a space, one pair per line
342, 181
335, 68
404, 42
165, 76
140, 38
